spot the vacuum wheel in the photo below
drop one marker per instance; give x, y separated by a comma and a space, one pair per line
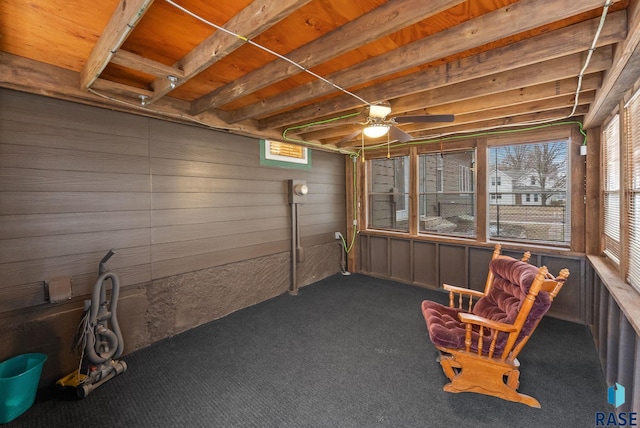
83, 390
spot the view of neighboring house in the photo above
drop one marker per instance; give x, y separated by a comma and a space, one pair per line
524, 188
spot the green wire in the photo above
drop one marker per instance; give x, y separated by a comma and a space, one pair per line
355, 209
481, 134
356, 155
320, 122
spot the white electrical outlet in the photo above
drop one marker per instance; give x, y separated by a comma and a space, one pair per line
337, 235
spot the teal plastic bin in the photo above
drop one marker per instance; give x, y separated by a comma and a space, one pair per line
19, 378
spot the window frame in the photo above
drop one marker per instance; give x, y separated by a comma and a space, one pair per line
532, 198
481, 145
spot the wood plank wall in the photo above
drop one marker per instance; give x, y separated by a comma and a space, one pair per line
429, 263
76, 181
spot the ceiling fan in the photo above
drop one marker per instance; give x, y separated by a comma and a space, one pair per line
376, 124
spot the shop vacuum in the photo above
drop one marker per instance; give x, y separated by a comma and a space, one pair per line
98, 339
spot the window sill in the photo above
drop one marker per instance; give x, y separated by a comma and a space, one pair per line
506, 245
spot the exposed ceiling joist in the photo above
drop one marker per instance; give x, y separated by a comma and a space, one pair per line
250, 22
488, 62
380, 22
623, 73
122, 22
493, 26
565, 41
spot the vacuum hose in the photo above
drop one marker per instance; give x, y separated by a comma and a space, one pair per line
110, 343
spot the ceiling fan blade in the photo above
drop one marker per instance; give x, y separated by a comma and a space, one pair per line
320, 126
399, 134
425, 118
349, 137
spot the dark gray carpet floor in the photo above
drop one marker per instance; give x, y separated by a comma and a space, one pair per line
346, 352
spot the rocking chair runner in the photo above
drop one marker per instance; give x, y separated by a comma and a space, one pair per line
479, 347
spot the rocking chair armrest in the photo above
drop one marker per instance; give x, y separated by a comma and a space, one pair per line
461, 290
485, 322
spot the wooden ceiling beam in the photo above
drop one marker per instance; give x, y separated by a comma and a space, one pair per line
549, 71
508, 121
535, 74
530, 75
126, 16
515, 97
507, 21
382, 21
623, 73
558, 43
513, 121
27, 75
137, 62
514, 110
251, 21
116, 88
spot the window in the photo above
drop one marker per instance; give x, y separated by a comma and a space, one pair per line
611, 160
389, 194
517, 167
632, 168
447, 193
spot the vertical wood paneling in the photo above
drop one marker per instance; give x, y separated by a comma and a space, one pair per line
379, 256
424, 264
613, 342
616, 331
479, 259
603, 316
401, 260
431, 263
453, 265
570, 301
626, 360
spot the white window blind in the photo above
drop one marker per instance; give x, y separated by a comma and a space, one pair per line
611, 161
632, 169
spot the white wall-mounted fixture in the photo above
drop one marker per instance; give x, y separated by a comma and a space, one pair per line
143, 99
298, 189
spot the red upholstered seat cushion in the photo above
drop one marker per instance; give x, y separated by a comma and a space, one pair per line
512, 280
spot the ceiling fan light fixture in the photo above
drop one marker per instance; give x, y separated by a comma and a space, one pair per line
379, 110
376, 130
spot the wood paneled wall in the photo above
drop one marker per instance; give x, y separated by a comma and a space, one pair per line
426, 263
74, 182
171, 199
613, 310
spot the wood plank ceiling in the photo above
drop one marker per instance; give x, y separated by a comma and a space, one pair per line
491, 63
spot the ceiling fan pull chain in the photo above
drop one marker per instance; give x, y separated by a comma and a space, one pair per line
388, 146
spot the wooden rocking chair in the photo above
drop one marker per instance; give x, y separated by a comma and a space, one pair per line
479, 346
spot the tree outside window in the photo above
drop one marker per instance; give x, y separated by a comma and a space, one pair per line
540, 170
